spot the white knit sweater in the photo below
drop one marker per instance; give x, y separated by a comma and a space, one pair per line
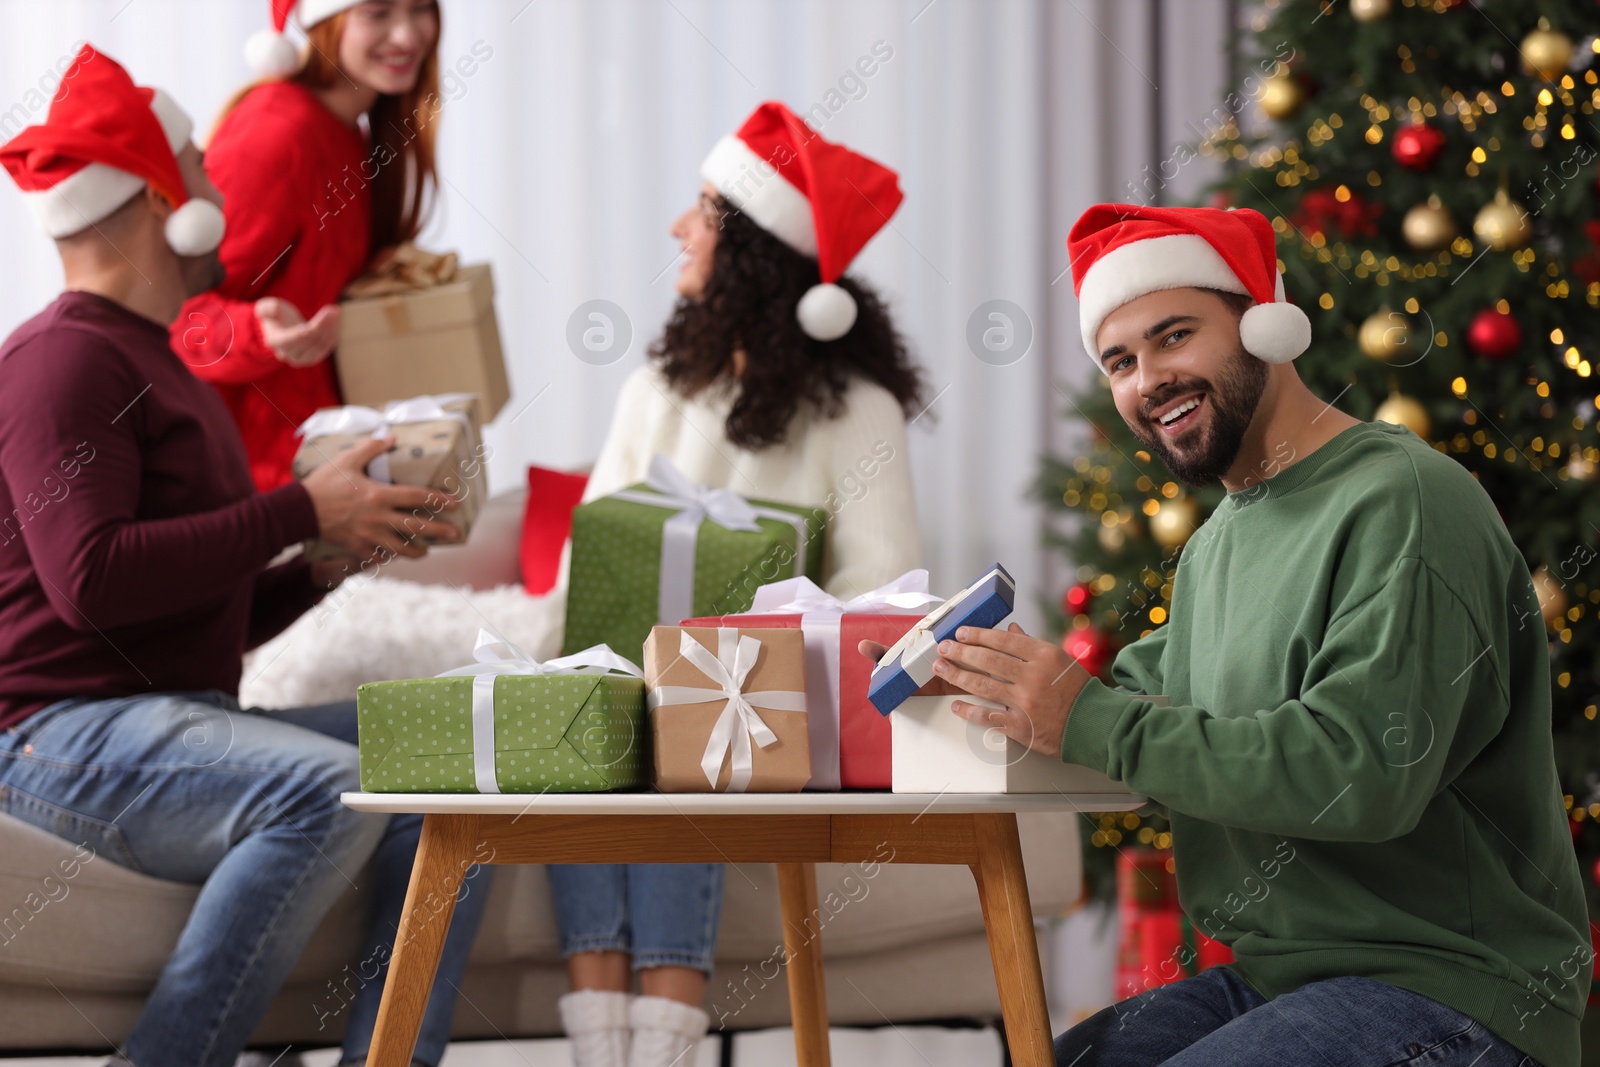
855, 465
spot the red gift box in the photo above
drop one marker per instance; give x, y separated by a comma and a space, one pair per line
1159, 944
850, 739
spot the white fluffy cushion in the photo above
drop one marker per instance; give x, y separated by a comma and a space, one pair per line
381, 628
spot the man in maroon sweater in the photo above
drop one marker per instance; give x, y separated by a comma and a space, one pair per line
135, 570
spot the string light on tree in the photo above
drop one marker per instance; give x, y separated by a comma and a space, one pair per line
1370, 10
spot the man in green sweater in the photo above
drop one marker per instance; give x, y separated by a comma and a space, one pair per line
1355, 751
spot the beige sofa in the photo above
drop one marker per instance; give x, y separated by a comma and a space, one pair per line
79, 953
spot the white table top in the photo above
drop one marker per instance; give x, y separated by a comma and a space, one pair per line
736, 803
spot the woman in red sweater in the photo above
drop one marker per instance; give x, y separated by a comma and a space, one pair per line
323, 164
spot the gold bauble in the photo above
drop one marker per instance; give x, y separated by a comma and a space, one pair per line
1402, 410
1546, 53
1174, 522
1502, 224
1282, 96
1429, 226
1552, 598
1369, 10
1385, 335
1580, 467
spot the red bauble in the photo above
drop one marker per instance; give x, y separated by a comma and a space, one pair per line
1577, 828
1321, 211
1076, 600
1597, 872
1417, 147
1493, 335
1092, 649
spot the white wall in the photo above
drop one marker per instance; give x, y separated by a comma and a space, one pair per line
569, 151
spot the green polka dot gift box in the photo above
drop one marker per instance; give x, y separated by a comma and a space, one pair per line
668, 549
556, 733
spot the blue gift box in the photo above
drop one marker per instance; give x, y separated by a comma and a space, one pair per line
908, 665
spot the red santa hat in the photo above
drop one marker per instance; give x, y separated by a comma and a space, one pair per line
819, 198
271, 54
103, 140
1121, 252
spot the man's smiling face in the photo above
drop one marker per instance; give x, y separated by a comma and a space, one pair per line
1182, 381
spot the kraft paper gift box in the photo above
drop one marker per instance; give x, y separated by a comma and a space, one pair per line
850, 740
937, 751
668, 549
415, 328
727, 709
507, 724
908, 664
436, 445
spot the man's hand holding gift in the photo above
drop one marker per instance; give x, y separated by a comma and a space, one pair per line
1036, 681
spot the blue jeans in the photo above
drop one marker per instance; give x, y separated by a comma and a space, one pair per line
189, 788
664, 914
1215, 1019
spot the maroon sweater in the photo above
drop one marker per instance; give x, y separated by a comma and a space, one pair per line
133, 545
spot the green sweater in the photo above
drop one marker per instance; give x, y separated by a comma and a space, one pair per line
1357, 756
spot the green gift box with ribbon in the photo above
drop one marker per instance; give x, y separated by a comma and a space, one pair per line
667, 550
507, 724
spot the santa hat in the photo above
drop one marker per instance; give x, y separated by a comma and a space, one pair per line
271, 54
1120, 252
103, 140
819, 198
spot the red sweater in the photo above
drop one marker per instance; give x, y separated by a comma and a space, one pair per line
132, 542
299, 206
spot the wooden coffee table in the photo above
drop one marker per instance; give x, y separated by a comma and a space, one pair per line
795, 831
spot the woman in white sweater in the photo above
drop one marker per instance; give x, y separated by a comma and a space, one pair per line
779, 378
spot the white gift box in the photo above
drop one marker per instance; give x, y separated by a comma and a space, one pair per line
937, 751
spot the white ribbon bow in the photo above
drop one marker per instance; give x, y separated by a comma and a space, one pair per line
496, 657
739, 722
695, 503
802, 596
354, 419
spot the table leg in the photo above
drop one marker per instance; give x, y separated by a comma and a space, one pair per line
802, 939
1008, 920
443, 856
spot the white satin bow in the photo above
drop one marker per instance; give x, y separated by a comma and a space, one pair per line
496, 657
739, 722
354, 419
695, 503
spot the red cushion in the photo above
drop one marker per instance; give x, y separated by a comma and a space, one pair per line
546, 525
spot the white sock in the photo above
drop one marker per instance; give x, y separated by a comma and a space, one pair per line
665, 1032
597, 1023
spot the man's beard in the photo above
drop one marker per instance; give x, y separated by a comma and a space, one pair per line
1232, 400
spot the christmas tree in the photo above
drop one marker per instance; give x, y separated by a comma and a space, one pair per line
1430, 169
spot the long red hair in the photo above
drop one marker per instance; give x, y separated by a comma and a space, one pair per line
403, 131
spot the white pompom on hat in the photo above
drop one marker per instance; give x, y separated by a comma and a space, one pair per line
271, 54
103, 140
1120, 252
819, 198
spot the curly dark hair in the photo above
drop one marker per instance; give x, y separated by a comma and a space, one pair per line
749, 303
